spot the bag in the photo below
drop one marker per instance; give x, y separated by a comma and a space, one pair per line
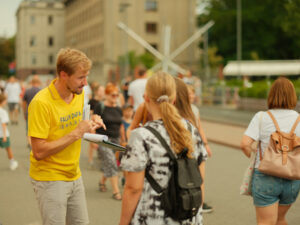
282, 156
246, 186
182, 197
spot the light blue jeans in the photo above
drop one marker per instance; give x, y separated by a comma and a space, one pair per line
267, 190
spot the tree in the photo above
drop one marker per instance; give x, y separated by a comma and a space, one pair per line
270, 29
7, 54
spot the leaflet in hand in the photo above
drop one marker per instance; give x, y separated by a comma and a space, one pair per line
95, 137
103, 141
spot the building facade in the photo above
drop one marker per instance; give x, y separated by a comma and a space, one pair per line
40, 34
91, 26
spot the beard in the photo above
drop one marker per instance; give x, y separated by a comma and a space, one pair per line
77, 91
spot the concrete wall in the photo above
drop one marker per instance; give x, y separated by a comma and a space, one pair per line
33, 26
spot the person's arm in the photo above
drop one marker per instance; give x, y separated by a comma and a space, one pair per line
24, 106
122, 134
122, 99
246, 145
41, 148
4, 132
203, 137
137, 118
130, 100
132, 193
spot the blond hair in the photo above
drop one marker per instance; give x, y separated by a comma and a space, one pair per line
69, 60
183, 103
163, 84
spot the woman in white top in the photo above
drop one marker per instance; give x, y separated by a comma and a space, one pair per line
272, 196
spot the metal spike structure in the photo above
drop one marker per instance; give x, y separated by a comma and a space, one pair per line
166, 58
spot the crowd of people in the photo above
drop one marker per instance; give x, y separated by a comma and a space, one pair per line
165, 103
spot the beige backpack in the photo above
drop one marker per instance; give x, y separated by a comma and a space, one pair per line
282, 156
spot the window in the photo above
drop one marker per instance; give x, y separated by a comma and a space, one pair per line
33, 60
151, 5
151, 28
50, 41
50, 19
32, 41
32, 19
50, 59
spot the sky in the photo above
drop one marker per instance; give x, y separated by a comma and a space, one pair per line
8, 10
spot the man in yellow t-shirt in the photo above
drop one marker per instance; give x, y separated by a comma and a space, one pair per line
55, 126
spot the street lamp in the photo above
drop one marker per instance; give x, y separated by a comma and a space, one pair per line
239, 33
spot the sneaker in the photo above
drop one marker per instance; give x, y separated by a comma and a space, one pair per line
206, 208
13, 164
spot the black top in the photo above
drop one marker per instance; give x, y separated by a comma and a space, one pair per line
112, 118
93, 102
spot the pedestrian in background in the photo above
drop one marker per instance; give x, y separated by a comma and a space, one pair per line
13, 91
192, 96
136, 89
141, 204
56, 126
272, 196
4, 133
189, 111
127, 110
97, 97
111, 114
28, 96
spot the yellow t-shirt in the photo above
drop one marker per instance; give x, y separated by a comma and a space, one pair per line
50, 118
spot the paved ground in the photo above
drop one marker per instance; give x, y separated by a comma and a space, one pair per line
224, 173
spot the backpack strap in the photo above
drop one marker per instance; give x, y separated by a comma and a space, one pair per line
274, 120
295, 125
150, 179
259, 143
162, 141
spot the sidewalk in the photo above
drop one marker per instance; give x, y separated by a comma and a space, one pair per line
223, 125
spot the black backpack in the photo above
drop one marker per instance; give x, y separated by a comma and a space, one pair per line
182, 197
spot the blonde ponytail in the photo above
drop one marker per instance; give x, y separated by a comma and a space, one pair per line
163, 84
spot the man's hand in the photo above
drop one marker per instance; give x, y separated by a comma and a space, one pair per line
97, 122
89, 126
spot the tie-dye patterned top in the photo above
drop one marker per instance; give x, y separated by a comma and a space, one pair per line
144, 150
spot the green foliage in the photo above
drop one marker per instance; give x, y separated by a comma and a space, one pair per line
270, 29
234, 83
146, 59
7, 54
259, 89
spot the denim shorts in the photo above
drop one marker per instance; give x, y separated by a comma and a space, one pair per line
267, 190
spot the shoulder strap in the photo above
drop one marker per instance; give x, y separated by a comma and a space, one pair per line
295, 124
274, 120
150, 179
162, 141
259, 143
